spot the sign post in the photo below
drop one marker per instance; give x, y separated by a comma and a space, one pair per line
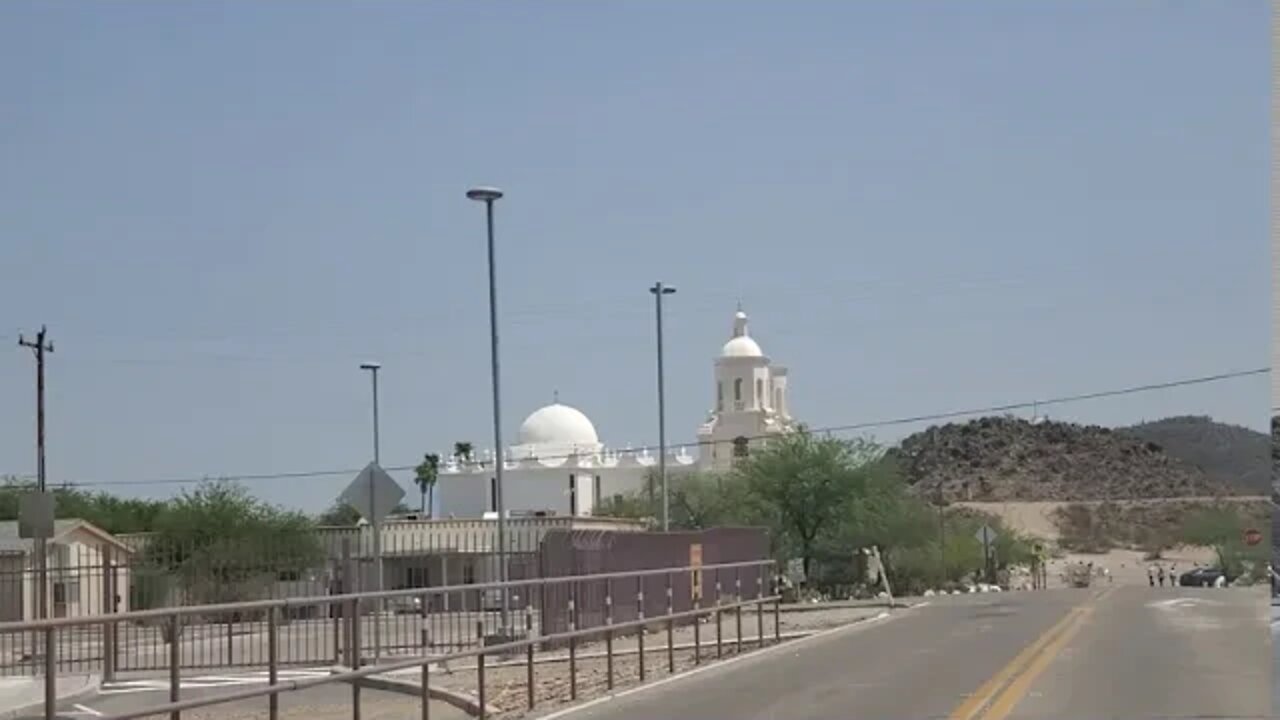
374, 494
987, 537
695, 580
875, 569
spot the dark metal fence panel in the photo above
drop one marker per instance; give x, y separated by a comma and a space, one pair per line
583, 552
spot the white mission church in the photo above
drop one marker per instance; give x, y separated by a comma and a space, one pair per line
559, 467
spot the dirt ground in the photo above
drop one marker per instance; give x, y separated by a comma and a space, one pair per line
506, 686
1127, 567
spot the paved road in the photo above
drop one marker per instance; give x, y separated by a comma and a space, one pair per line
324, 702
1126, 653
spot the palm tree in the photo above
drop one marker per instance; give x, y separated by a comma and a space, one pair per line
462, 451
424, 476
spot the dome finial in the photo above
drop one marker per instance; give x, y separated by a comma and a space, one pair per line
555, 396
739, 322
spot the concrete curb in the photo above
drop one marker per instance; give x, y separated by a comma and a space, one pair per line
91, 687
898, 604
462, 701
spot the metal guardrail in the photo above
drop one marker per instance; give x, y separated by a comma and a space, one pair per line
505, 643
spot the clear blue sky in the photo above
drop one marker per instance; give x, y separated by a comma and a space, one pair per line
221, 208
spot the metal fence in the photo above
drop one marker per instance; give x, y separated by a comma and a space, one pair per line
454, 560
351, 630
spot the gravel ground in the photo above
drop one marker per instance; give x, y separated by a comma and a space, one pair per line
506, 684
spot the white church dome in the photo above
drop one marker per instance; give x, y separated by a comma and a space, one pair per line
741, 344
741, 347
558, 425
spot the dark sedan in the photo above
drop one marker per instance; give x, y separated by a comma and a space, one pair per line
1202, 577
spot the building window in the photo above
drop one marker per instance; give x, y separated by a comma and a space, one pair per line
595, 491
573, 495
719, 397
67, 591
737, 390
417, 577
739, 447
759, 393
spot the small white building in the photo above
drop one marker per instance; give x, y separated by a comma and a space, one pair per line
88, 572
558, 468
751, 401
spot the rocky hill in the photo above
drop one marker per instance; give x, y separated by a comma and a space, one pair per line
1229, 454
1010, 459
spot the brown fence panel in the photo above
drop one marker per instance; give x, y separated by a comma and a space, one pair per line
581, 552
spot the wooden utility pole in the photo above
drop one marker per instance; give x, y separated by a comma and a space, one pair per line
40, 346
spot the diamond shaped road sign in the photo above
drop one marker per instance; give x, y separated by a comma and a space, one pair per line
986, 535
374, 493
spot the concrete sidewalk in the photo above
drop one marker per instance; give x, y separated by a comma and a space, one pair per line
21, 696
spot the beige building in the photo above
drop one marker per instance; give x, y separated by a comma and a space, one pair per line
78, 583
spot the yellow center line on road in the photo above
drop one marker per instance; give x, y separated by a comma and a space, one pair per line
1007, 676
1018, 689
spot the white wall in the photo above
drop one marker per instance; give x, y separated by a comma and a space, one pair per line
526, 489
463, 496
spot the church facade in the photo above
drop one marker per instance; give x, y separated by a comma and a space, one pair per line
559, 466
751, 402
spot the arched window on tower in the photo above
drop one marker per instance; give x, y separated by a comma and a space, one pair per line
719, 397
777, 399
759, 393
740, 447
737, 390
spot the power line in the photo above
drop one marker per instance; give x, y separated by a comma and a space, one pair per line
887, 422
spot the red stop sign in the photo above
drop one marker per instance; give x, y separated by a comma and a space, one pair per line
1252, 537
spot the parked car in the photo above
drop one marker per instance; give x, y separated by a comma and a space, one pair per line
1203, 577
405, 605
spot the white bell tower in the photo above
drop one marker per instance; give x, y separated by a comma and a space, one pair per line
749, 403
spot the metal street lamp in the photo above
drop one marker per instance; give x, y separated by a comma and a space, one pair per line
488, 195
658, 291
375, 524
373, 369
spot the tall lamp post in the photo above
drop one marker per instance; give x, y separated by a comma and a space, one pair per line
376, 524
658, 291
488, 195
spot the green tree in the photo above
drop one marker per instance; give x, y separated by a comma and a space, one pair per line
696, 500
425, 476
628, 506
805, 485
463, 451
1222, 528
113, 514
217, 543
339, 514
